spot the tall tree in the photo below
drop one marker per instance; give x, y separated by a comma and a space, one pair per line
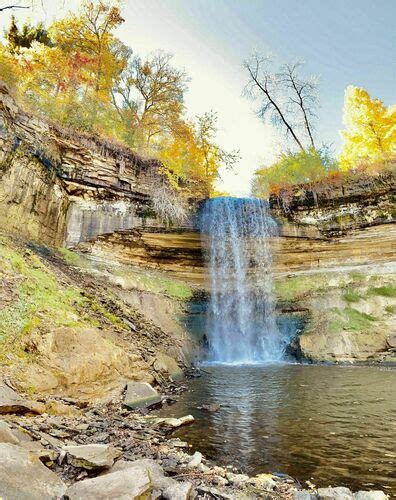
90, 33
370, 133
285, 96
213, 155
148, 96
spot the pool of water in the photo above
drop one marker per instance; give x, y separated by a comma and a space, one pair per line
332, 425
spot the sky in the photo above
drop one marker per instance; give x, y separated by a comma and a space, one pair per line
343, 42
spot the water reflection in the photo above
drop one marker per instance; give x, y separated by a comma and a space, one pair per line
332, 425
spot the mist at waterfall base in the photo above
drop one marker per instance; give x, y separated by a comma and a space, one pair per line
241, 323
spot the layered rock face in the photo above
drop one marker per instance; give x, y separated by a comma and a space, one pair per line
332, 208
336, 263
61, 187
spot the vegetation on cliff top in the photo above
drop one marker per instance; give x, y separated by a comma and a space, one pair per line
291, 99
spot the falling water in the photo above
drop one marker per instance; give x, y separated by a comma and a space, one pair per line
241, 321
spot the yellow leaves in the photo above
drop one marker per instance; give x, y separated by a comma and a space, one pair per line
370, 134
9, 71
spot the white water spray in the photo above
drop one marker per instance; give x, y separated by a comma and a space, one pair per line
241, 321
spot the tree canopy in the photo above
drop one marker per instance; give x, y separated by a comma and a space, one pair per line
370, 134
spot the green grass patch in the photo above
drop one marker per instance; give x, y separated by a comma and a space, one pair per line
72, 258
383, 291
112, 318
351, 296
38, 297
294, 287
350, 319
390, 309
357, 277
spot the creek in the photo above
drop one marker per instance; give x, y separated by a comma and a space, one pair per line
332, 425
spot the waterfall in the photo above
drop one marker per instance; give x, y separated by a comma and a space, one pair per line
241, 326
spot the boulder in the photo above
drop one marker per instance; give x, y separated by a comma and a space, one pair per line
196, 459
92, 456
212, 408
129, 484
24, 477
12, 402
371, 495
140, 395
340, 493
167, 487
6, 434
237, 479
164, 363
391, 343
264, 481
304, 495
83, 363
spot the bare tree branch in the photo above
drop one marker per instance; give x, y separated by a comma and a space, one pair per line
305, 94
267, 86
7, 7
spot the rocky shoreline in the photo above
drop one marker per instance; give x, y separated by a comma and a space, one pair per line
62, 448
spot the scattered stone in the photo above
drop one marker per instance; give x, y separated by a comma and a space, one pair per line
82, 427
339, 492
195, 460
177, 443
371, 495
211, 408
12, 402
304, 495
128, 484
237, 479
24, 477
140, 395
213, 493
131, 325
264, 481
219, 481
6, 434
172, 422
92, 456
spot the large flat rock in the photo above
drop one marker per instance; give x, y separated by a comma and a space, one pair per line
140, 395
92, 456
24, 477
128, 484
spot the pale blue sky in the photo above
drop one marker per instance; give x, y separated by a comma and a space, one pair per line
342, 41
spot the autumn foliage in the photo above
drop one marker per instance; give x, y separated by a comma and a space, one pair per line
369, 147
79, 74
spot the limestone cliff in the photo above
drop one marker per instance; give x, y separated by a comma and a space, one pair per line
61, 187
336, 264
332, 208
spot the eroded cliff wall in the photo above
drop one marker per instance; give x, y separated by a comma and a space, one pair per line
60, 187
